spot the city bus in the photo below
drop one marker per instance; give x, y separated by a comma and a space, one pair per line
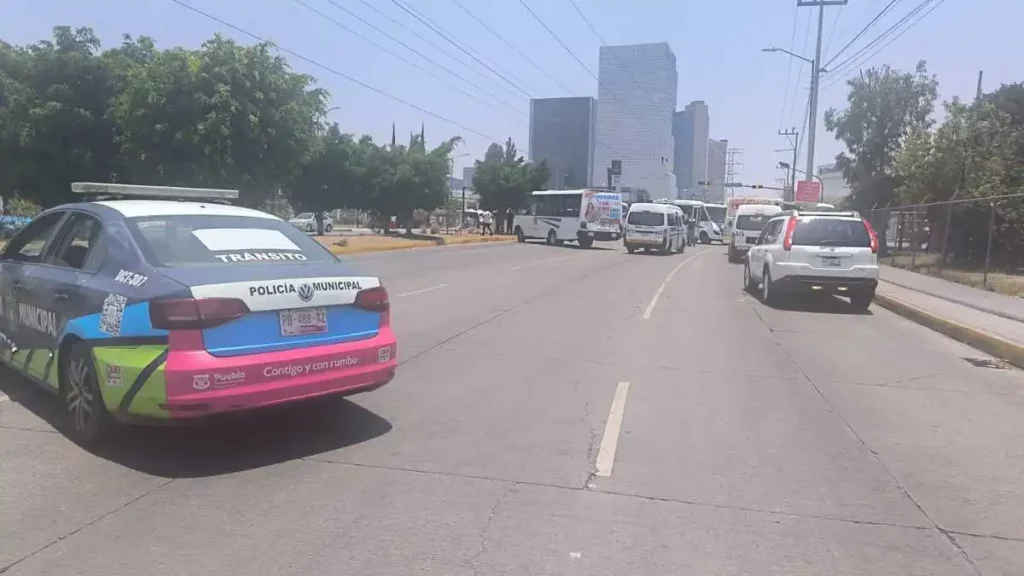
559, 216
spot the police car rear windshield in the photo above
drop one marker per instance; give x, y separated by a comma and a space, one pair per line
192, 240
847, 233
639, 218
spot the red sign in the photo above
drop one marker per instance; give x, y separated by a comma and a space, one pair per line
808, 191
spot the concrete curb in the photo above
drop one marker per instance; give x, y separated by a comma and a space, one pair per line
414, 244
984, 341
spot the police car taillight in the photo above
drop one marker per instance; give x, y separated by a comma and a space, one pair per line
373, 299
194, 313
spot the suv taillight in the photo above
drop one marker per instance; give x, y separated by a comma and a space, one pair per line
787, 240
194, 313
872, 235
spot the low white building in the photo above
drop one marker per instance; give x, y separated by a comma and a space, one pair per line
835, 185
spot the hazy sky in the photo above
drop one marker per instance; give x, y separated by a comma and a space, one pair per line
717, 43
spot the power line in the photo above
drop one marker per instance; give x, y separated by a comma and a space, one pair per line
863, 31
435, 29
845, 66
789, 65
407, 61
800, 69
587, 22
557, 39
509, 44
832, 32
331, 70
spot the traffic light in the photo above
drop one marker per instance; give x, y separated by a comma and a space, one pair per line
757, 186
704, 182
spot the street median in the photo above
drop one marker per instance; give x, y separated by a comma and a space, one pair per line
363, 244
985, 341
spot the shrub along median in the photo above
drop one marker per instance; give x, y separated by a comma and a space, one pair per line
359, 244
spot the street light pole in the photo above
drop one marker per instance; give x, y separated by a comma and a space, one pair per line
816, 70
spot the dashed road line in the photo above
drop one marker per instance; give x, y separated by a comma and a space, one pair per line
654, 300
415, 292
610, 441
521, 266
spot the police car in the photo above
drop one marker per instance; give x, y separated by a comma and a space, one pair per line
152, 303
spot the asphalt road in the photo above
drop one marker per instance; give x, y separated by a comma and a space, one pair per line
561, 411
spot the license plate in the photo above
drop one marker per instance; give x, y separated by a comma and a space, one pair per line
303, 321
830, 261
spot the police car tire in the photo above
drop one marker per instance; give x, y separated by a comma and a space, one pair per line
100, 423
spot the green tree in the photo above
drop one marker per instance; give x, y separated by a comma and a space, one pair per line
223, 116
884, 108
402, 179
503, 179
327, 180
55, 127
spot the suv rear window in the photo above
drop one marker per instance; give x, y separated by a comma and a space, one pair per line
646, 219
752, 222
176, 240
831, 232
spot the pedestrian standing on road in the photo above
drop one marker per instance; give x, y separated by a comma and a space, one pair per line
691, 232
485, 223
510, 217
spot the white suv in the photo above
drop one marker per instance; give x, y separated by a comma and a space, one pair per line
824, 252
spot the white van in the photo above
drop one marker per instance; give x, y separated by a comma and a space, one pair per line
746, 226
655, 227
560, 216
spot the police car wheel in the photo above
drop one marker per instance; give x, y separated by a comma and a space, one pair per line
85, 416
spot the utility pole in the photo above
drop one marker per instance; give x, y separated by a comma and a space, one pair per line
794, 140
816, 69
979, 93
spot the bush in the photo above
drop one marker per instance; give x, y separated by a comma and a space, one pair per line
342, 242
435, 229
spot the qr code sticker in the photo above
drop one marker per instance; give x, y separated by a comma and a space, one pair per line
113, 311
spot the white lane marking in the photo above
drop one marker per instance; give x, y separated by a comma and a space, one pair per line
610, 441
414, 292
521, 266
654, 300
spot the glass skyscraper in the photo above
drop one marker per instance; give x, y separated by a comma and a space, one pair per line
636, 98
562, 134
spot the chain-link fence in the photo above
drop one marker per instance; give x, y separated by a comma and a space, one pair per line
974, 241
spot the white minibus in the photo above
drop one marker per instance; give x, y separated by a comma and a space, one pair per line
655, 226
559, 216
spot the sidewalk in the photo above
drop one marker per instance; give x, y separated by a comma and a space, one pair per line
990, 322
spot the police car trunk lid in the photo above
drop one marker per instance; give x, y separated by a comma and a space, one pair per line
312, 307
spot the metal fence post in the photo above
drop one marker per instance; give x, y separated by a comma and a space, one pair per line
988, 247
913, 240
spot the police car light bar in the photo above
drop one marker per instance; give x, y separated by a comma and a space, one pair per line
165, 192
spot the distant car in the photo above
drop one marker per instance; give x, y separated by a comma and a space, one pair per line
307, 221
822, 252
165, 310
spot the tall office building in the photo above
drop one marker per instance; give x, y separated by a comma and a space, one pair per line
636, 97
690, 129
562, 134
718, 151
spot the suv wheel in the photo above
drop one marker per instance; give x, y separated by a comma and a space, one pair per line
748, 282
767, 290
861, 300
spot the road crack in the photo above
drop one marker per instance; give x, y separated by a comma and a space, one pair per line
487, 527
92, 522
